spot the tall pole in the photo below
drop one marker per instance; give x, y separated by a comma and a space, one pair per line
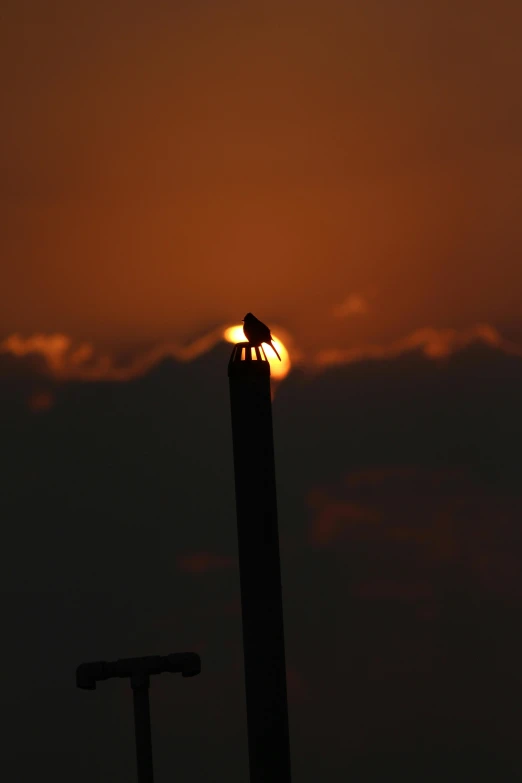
259, 566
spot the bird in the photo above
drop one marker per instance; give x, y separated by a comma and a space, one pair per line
257, 332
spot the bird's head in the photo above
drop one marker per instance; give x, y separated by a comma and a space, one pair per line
248, 317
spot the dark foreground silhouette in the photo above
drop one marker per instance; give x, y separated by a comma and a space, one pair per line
259, 565
402, 627
139, 671
257, 332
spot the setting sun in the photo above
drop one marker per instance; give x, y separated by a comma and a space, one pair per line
278, 369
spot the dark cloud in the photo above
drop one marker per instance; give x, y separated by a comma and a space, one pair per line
399, 503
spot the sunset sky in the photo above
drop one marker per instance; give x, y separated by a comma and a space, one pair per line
352, 174
166, 166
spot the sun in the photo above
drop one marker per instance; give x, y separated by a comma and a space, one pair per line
278, 369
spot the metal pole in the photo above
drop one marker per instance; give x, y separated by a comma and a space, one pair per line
139, 671
259, 566
140, 691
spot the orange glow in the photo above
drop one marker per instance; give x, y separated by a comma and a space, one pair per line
84, 362
66, 360
434, 343
278, 369
334, 209
202, 562
41, 401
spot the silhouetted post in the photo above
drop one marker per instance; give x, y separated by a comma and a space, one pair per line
139, 671
259, 566
140, 693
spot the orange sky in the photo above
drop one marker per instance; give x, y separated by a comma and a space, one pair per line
167, 167
351, 172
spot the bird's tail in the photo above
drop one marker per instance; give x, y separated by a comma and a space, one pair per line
274, 349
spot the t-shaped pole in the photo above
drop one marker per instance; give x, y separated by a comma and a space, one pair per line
139, 671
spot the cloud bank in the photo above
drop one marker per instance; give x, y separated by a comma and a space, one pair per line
66, 360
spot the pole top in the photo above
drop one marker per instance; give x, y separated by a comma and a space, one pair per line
248, 360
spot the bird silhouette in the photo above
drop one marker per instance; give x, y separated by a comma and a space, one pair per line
257, 332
